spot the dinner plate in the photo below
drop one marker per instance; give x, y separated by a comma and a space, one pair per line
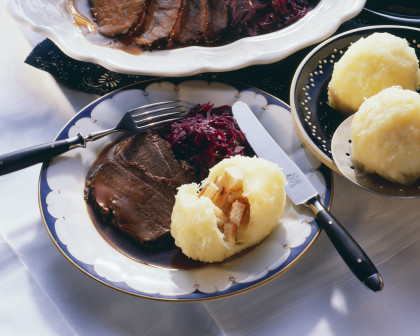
52, 19
117, 262
315, 120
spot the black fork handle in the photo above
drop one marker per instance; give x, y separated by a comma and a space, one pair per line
23, 158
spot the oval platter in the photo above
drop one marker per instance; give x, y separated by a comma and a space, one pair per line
53, 19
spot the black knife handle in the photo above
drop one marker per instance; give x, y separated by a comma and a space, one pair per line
347, 247
29, 156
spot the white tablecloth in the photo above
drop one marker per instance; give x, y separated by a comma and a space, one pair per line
43, 294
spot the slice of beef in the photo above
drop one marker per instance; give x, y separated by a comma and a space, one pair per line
161, 16
153, 152
115, 17
192, 22
217, 19
144, 148
133, 187
179, 24
133, 200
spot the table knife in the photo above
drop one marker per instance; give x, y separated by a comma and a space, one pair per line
301, 192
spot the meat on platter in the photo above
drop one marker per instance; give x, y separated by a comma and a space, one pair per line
169, 24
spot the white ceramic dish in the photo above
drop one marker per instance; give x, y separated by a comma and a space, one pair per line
67, 219
52, 19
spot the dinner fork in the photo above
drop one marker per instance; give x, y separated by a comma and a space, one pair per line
136, 120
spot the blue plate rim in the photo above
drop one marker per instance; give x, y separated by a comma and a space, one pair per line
236, 288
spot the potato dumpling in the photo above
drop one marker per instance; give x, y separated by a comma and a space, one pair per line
386, 135
237, 206
370, 65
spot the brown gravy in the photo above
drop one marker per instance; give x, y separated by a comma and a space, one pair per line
171, 257
168, 257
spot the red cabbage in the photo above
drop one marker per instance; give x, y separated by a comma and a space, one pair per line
206, 136
256, 17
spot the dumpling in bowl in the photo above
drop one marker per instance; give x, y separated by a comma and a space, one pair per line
386, 135
370, 65
240, 203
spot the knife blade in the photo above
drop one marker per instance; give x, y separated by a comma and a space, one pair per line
301, 191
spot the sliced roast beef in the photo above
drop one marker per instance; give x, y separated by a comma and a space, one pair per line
133, 200
161, 16
179, 24
192, 23
151, 151
115, 17
217, 19
133, 186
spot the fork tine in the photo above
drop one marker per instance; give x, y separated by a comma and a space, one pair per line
139, 114
157, 123
141, 119
145, 107
153, 121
